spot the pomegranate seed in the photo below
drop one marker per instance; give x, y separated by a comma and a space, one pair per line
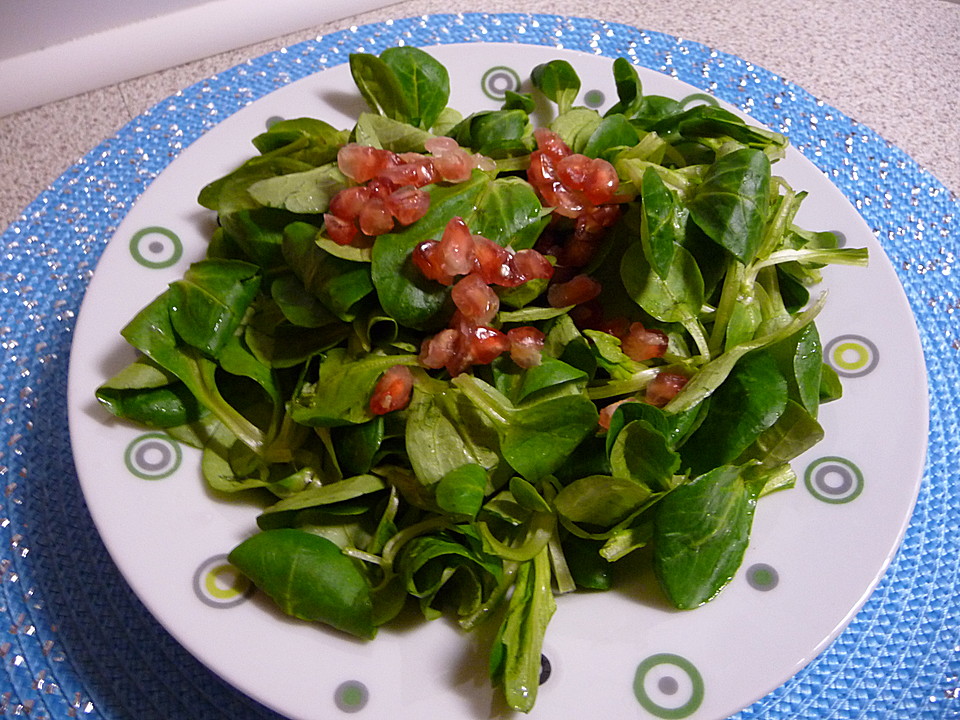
348, 203
579, 289
482, 162
392, 391
362, 162
602, 182
382, 187
641, 344
542, 169
606, 412
593, 222
588, 316
342, 232
426, 256
417, 172
454, 166
485, 344
474, 298
441, 145
550, 143
374, 218
569, 203
408, 204
495, 263
439, 350
457, 248
663, 388
526, 344
531, 265
618, 327
574, 171
576, 253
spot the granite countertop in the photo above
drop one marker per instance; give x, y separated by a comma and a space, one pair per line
887, 64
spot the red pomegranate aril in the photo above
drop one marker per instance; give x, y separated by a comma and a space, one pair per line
575, 171
440, 349
362, 162
426, 257
494, 263
531, 265
485, 344
375, 219
591, 224
474, 298
641, 344
569, 203
663, 388
606, 412
408, 204
576, 253
579, 289
392, 391
551, 143
348, 203
454, 166
588, 316
342, 232
441, 145
381, 187
526, 346
457, 248
482, 162
619, 327
602, 182
542, 169
417, 173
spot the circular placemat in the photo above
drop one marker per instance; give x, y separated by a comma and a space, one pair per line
76, 642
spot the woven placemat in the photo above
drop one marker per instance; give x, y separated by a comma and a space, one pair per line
76, 642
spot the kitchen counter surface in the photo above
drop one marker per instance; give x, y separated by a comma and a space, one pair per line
890, 65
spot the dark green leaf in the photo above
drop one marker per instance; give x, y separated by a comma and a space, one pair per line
425, 83
701, 532
748, 402
308, 577
461, 491
731, 203
558, 81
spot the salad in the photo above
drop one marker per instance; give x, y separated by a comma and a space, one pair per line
474, 361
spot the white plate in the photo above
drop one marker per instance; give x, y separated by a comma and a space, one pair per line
817, 551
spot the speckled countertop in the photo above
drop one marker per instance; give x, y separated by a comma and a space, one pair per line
888, 64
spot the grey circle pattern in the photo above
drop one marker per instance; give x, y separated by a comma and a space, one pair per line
497, 81
351, 696
864, 360
204, 578
594, 98
763, 577
153, 456
834, 480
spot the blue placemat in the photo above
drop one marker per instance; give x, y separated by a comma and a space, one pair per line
76, 642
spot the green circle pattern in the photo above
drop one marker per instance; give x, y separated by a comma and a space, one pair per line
594, 98
156, 247
137, 462
684, 666
351, 696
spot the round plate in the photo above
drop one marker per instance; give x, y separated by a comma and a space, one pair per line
818, 550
